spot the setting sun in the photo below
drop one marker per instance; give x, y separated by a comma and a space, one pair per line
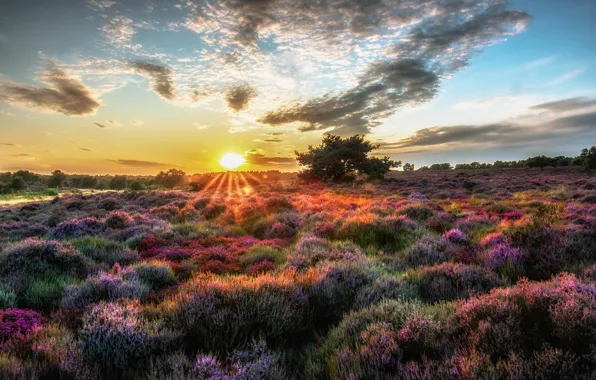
231, 160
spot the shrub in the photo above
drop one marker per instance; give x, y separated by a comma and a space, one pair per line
258, 254
115, 337
8, 298
78, 227
503, 253
218, 314
384, 288
35, 258
46, 293
455, 236
156, 274
105, 287
450, 281
429, 250
118, 220
105, 250
17, 326
417, 212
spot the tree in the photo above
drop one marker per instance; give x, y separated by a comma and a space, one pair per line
18, 183
27, 176
443, 166
171, 178
137, 186
118, 182
588, 158
57, 179
540, 162
341, 158
408, 167
88, 182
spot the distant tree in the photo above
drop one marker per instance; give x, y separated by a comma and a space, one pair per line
540, 162
101, 185
588, 158
57, 179
137, 186
88, 182
118, 182
18, 183
423, 168
27, 176
6, 177
339, 158
171, 178
443, 166
562, 161
408, 167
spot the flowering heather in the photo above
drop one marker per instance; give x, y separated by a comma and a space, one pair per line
455, 236
78, 227
118, 220
503, 253
284, 280
18, 325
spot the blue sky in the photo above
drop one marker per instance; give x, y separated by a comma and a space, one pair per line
138, 86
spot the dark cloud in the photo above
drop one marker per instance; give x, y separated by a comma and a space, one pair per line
22, 155
385, 87
257, 158
160, 76
100, 125
275, 134
142, 164
8, 144
506, 134
564, 105
239, 96
273, 140
66, 95
438, 47
85, 149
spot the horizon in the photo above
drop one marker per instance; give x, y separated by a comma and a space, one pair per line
136, 87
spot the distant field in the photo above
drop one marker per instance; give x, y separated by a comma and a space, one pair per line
455, 274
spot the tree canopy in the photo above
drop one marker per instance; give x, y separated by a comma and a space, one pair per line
338, 158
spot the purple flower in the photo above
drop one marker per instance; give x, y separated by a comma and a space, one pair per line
502, 253
455, 236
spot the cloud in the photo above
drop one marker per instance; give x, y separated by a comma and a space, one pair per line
539, 63
571, 104
201, 127
85, 149
435, 48
238, 96
501, 134
160, 76
100, 125
566, 77
142, 164
66, 95
255, 157
119, 31
101, 4
136, 122
9, 144
23, 155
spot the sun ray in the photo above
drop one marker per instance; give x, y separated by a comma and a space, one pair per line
247, 188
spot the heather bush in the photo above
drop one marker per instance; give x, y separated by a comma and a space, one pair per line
18, 326
429, 250
104, 250
417, 212
449, 281
117, 339
455, 236
335, 293
385, 288
155, 274
374, 232
78, 227
118, 220
34, 258
524, 320
105, 287
258, 254
46, 293
219, 314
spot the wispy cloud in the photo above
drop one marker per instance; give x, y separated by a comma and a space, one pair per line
142, 164
6, 113
539, 63
85, 149
101, 125
566, 77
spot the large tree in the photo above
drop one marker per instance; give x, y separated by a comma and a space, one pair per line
340, 158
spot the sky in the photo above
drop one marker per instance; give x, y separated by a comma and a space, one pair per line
140, 86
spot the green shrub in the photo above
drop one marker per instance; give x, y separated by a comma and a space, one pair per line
105, 250
257, 254
46, 293
8, 298
156, 274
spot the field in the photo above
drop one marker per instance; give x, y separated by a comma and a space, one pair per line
447, 274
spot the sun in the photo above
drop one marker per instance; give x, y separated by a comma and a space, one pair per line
231, 160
